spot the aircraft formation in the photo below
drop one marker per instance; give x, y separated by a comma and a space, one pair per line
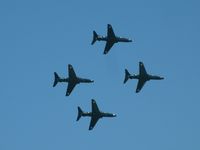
73, 79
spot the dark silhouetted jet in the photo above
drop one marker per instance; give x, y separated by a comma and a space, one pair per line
95, 115
72, 80
110, 39
142, 77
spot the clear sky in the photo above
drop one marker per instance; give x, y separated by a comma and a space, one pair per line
42, 36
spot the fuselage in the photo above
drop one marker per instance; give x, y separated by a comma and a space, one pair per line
98, 115
146, 77
113, 40
76, 80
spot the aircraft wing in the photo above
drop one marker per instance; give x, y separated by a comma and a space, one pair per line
108, 47
110, 35
70, 88
71, 71
142, 69
94, 118
110, 32
95, 108
93, 122
140, 85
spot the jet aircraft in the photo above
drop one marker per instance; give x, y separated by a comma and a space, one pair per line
110, 39
142, 77
95, 115
72, 80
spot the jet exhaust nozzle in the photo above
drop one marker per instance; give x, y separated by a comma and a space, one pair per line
95, 36
56, 79
80, 113
127, 76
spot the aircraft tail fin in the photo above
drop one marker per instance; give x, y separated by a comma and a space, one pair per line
80, 113
56, 79
127, 76
95, 36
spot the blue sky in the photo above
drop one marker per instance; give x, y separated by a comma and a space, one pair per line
40, 37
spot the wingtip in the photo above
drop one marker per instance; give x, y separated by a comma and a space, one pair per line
69, 66
137, 91
67, 94
90, 128
109, 25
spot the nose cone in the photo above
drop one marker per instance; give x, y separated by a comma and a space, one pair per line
114, 115
161, 78
130, 40
87, 81
91, 81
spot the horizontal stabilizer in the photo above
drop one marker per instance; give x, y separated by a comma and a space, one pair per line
56, 79
95, 36
127, 76
80, 112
